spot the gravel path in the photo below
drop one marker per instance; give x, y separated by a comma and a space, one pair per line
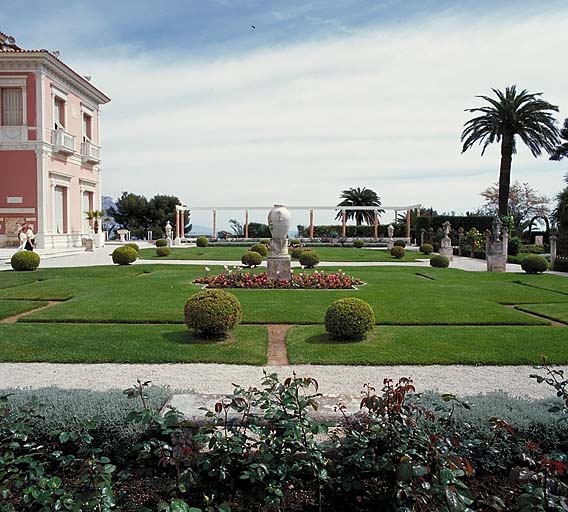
217, 379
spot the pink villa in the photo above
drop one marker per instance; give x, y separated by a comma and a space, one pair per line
50, 154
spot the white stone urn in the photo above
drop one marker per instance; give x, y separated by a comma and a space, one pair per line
279, 221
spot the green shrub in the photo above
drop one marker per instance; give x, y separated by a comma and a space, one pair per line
260, 249
439, 261
202, 241
124, 255
400, 243
212, 312
136, 247
251, 259
296, 251
349, 318
161, 242
163, 251
309, 259
397, 251
533, 249
358, 244
295, 242
515, 244
265, 241
426, 248
534, 264
25, 260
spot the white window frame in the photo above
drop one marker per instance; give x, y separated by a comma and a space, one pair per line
57, 94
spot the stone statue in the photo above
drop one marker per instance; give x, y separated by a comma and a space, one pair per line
390, 231
168, 230
278, 263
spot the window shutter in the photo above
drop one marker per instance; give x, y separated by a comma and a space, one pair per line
12, 107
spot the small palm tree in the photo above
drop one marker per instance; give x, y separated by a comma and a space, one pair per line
511, 114
360, 197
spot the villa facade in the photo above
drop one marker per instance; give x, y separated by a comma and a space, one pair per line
50, 148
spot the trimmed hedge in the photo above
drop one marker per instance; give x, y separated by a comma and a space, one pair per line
534, 264
163, 251
400, 243
202, 241
295, 253
25, 261
397, 251
439, 261
481, 222
309, 258
426, 248
135, 246
212, 312
349, 319
161, 242
124, 255
251, 259
358, 244
260, 248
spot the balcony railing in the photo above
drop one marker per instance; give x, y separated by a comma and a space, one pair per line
91, 153
63, 142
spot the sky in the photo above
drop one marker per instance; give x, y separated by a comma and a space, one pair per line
319, 97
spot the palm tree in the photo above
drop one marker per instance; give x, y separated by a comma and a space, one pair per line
360, 197
511, 114
562, 150
560, 213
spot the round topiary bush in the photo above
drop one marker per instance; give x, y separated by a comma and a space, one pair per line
397, 251
358, 244
251, 259
426, 248
124, 255
294, 242
202, 241
25, 260
439, 261
534, 264
265, 241
136, 247
296, 251
400, 243
309, 258
212, 312
163, 251
161, 242
260, 249
349, 318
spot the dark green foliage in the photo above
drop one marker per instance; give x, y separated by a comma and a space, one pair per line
124, 255
397, 251
135, 246
163, 251
296, 251
358, 244
349, 319
561, 151
258, 230
534, 264
266, 242
251, 259
295, 242
260, 249
426, 248
515, 244
421, 223
161, 242
439, 261
400, 243
309, 258
359, 197
25, 260
202, 241
560, 213
212, 312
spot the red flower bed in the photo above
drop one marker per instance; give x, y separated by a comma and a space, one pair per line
313, 280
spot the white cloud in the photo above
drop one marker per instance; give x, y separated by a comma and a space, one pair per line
298, 124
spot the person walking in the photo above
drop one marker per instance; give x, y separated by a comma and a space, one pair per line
22, 238
30, 238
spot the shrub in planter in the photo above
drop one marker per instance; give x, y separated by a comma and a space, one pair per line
309, 259
295, 253
124, 255
260, 249
400, 243
397, 251
349, 318
358, 244
251, 259
202, 241
25, 260
212, 312
161, 242
163, 251
426, 248
439, 261
534, 264
136, 247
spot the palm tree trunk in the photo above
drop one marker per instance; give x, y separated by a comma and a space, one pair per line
505, 173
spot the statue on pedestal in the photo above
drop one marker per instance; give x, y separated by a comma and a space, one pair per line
279, 222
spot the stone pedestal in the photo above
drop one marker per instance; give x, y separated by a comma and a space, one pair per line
496, 248
446, 248
390, 244
279, 267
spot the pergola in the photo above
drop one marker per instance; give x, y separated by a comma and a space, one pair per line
312, 209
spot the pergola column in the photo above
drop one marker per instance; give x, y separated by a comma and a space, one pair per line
376, 229
311, 224
177, 224
408, 224
343, 223
246, 223
214, 223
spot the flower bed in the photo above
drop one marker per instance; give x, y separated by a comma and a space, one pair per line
309, 280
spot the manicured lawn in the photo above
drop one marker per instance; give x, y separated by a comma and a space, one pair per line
557, 311
432, 345
95, 343
326, 254
10, 308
